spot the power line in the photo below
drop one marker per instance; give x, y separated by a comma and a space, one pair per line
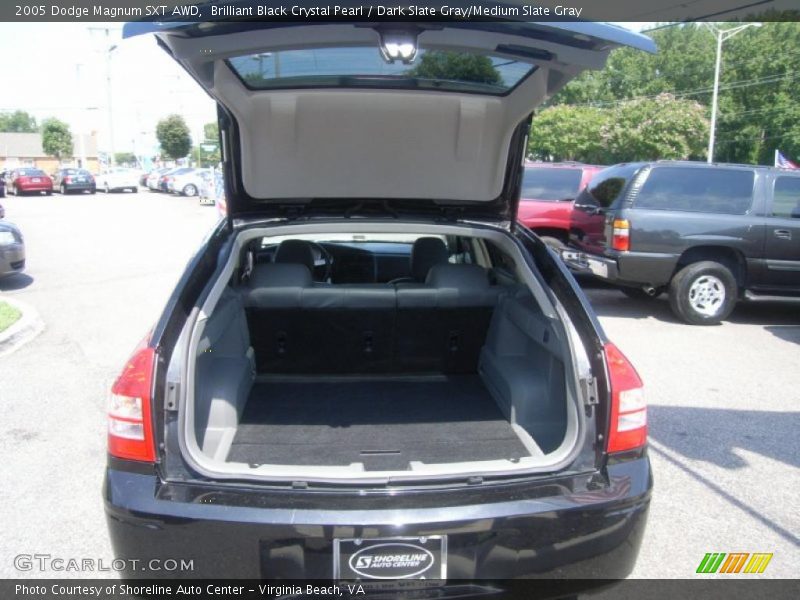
743, 83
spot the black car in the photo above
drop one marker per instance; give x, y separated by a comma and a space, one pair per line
74, 180
370, 370
709, 234
3, 184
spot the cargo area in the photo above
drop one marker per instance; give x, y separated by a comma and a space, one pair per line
385, 423
458, 372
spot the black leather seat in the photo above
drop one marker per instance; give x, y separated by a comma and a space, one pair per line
426, 252
297, 326
298, 252
442, 325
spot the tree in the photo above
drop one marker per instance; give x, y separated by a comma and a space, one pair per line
436, 64
56, 138
568, 133
656, 128
18, 122
125, 158
645, 129
173, 136
211, 131
758, 109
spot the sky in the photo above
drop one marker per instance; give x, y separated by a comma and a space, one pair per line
60, 70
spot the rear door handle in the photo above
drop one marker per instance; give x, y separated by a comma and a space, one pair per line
782, 234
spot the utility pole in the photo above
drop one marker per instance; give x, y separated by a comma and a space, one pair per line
721, 35
109, 49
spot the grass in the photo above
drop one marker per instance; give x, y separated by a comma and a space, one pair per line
8, 316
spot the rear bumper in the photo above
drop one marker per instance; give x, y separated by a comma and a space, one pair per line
12, 259
79, 187
623, 268
235, 534
34, 187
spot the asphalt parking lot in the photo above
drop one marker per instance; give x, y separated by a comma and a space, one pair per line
724, 401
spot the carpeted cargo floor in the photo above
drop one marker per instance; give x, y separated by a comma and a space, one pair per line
382, 422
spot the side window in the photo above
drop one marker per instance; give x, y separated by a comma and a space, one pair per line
786, 198
606, 187
502, 264
720, 191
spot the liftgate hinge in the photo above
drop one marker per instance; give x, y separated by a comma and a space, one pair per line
171, 396
589, 390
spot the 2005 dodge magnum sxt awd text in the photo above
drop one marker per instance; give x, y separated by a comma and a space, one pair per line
369, 370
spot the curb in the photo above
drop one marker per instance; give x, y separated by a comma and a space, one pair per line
23, 331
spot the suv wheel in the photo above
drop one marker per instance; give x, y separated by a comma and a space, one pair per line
703, 293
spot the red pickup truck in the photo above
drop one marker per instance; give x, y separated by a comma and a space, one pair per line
548, 193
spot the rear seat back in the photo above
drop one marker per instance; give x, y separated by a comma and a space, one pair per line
442, 324
298, 326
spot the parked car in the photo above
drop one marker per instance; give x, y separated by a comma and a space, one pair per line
153, 178
376, 361
27, 180
12, 250
167, 179
73, 180
708, 234
548, 193
2, 184
187, 183
118, 179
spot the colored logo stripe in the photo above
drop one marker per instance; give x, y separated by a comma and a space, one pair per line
713, 562
758, 563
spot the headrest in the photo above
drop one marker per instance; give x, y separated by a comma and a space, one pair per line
272, 275
426, 253
469, 277
298, 252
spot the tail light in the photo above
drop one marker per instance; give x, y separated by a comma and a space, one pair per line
130, 426
628, 427
621, 236
68, 179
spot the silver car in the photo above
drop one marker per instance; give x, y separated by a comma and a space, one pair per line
12, 250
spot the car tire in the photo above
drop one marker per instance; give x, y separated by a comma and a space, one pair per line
134, 190
63, 190
106, 189
703, 293
636, 293
48, 193
556, 244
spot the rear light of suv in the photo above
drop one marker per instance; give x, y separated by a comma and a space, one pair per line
621, 236
130, 427
628, 427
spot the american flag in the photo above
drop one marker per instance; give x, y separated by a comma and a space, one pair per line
784, 163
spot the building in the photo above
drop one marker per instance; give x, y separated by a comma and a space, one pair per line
25, 150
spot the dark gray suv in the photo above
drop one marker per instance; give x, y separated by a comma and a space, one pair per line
709, 234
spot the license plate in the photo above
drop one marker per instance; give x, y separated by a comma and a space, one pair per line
36, 180
598, 268
390, 558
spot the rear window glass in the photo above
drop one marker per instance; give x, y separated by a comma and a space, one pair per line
363, 66
720, 191
606, 187
542, 183
786, 201
30, 173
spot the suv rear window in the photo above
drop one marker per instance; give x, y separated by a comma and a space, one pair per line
543, 183
363, 66
606, 186
708, 190
786, 201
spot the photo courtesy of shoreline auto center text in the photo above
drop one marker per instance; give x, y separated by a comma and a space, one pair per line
400, 301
